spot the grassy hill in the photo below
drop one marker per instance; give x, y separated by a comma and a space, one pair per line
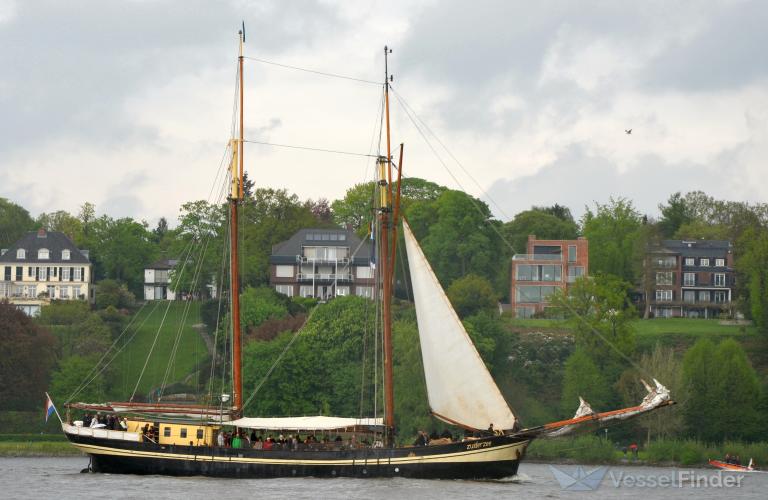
161, 320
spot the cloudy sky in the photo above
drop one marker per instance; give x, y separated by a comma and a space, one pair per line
128, 104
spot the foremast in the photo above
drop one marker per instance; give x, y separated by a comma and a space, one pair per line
235, 198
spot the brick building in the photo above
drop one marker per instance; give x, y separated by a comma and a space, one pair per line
689, 278
322, 263
547, 266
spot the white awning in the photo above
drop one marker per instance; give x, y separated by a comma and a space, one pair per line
317, 423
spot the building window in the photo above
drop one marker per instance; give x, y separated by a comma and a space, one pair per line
704, 263
663, 295
284, 271
571, 253
51, 292
43, 254
75, 292
41, 273
65, 255
284, 289
527, 272
166, 431
199, 434
364, 291
31, 272
664, 278
720, 297
524, 312
78, 274
551, 273
21, 253
689, 279
704, 296
720, 262
533, 294
663, 312
65, 274
7, 274
719, 279
183, 433
64, 292
19, 273
689, 296
666, 262
689, 261
342, 291
364, 272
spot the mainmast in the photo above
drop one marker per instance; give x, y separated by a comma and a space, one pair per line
385, 183
236, 195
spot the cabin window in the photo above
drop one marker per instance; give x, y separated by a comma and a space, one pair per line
21, 253
183, 433
199, 433
43, 254
166, 431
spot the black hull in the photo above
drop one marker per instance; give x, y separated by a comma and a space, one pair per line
491, 458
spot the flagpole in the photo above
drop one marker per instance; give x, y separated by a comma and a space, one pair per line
54, 408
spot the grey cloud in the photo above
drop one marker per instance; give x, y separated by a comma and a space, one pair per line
576, 179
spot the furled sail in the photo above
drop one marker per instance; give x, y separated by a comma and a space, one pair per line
459, 387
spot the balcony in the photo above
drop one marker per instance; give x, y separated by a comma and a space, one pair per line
538, 256
324, 277
321, 260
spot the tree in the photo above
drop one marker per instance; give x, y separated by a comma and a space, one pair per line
752, 266
110, 293
161, 230
600, 314
674, 214
63, 222
471, 294
258, 305
458, 236
721, 390
72, 372
27, 357
612, 230
583, 379
14, 222
86, 215
322, 212
542, 222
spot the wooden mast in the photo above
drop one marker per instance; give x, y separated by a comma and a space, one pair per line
385, 181
235, 196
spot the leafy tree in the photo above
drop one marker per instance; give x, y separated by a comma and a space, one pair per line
471, 294
72, 372
674, 214
752, 266
27, 357
86, 216
321, 209
64, 222
722, 392
14, 222
79, 331
161, 230
583, 379
257, 305
458, 236
542, 222
110, 293
487, 333
612, 230
600, 314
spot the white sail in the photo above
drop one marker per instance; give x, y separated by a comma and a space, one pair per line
460, 389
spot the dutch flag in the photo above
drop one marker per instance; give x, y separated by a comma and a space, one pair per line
49, 408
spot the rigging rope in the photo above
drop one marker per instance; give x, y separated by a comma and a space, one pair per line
307, 70
308, 148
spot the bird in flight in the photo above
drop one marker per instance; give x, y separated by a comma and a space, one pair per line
628, 131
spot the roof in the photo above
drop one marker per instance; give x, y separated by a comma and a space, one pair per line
54, 241
163, 264
286, 251
698, 248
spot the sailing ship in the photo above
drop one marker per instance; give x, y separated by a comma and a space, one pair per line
181, 440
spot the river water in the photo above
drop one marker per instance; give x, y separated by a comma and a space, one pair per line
61, 478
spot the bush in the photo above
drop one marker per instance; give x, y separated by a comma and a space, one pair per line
113, 293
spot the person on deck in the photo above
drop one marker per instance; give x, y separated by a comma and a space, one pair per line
421, 439
237, 441
220, 439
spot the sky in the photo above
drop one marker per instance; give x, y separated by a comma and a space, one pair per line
129, 104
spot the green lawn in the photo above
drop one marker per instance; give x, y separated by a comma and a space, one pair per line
687, 326
191, 352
